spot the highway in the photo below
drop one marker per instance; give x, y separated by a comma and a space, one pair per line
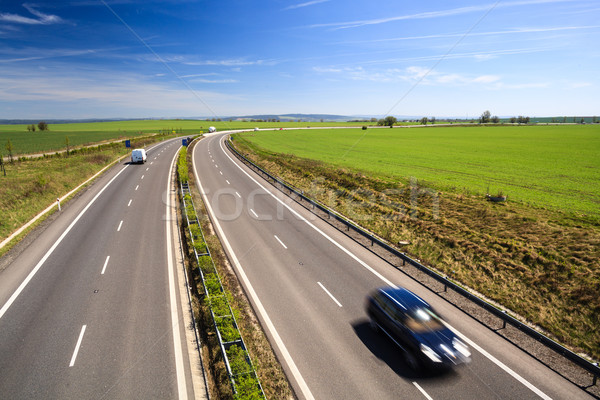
308, 282
90, 306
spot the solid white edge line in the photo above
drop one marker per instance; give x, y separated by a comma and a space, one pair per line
499, 363
105, 264
252, 293
387, 281
54, 246
329, 293
279, 240
74, 357
427, 396
180, 371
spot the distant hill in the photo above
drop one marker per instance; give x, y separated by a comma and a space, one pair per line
292, 117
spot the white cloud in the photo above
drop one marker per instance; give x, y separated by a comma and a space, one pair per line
514, 31
232, 62
308, 3
125, 93
214, 80
432, 14
410, 74
42, 19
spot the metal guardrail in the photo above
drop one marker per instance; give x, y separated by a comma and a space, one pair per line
214, 298
590, 367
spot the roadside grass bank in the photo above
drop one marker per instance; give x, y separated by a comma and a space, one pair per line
31, 185
540, 263
272, 378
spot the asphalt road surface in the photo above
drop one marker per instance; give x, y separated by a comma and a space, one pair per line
308, 284
89, 308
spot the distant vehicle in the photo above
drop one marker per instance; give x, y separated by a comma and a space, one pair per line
138, 156
255, 129
212, 129
416, 328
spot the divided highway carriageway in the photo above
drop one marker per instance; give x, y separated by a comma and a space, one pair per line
308, 284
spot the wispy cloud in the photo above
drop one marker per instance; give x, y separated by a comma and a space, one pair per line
214, 80
127, 92
233, 62
42, 19
308, 3
513, 31
478, 55
432, 14
409, 74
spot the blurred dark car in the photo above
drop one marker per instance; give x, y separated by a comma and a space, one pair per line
416, 328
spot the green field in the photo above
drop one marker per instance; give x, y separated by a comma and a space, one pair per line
25, 142
557, 167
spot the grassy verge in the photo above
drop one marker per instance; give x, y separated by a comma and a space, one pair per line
269, 371
31, 185
540, 263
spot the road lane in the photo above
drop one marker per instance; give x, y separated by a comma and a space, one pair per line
109, 274
334, 349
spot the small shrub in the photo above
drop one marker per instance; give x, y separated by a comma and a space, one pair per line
228, 331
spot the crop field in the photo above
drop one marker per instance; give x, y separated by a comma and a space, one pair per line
546, 166
25, 142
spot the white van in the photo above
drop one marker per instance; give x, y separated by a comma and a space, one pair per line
212, 129
138, 156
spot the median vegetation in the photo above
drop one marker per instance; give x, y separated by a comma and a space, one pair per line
237, 354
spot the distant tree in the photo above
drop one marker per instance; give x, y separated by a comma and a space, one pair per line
594, 119
390, 121
42, 126
495, 119
9, 148
432, 120
485, 117
564, 120
373, 119
424, 121
513, 120
381, 122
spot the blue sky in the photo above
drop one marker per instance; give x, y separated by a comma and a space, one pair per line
130, 58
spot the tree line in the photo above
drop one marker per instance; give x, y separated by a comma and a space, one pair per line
42, 126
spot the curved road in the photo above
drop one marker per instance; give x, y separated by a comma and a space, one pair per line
89, 308
308, 284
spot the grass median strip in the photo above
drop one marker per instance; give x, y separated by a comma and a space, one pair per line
224, 312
